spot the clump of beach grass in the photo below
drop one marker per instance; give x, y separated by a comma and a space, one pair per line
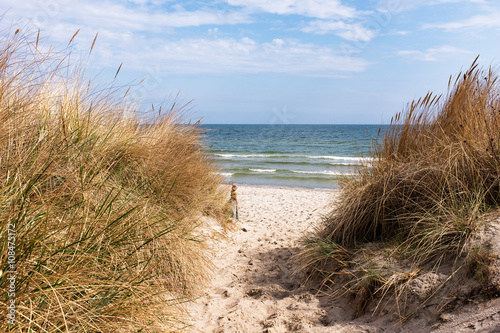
435, 172
105, 205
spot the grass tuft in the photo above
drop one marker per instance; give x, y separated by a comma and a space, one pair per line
435, 172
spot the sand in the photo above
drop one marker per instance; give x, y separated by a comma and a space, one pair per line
254, 288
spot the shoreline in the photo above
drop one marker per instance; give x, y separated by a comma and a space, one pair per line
283, 187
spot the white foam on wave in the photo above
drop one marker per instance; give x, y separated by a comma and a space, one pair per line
243, 155
225, 174
325, 172
324, 157
263, 170
342, 158
348, 163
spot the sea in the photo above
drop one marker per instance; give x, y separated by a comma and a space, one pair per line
310, 156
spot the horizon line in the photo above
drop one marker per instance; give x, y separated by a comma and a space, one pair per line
267, 124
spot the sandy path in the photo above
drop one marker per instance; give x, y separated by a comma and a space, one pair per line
254, 290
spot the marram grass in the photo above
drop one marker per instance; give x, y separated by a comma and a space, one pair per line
105, 207
435, 172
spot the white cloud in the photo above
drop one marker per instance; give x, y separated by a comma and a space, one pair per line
141, 37
117, 15
456, 1
399, 32
348, 31
397, 6
227, 55
311, 8
491, 20
433, 54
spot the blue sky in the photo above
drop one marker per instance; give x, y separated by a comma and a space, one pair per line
274, 61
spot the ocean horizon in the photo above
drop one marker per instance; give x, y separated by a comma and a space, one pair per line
311, 155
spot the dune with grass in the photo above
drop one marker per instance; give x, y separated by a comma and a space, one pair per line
417, 232
101, 208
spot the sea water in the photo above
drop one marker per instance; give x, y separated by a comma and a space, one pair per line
314, 156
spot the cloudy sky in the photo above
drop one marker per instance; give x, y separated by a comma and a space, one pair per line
274, 61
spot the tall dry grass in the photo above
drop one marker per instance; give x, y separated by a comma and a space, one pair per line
435, 171
105, 206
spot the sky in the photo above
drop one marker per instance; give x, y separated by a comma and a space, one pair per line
272, 61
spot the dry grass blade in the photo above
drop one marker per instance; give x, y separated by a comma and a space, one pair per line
93, 43
118, 71
73, 37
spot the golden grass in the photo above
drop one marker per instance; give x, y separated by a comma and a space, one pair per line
105, 206
434, 173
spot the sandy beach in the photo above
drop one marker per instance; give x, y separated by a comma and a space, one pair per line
254, 290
